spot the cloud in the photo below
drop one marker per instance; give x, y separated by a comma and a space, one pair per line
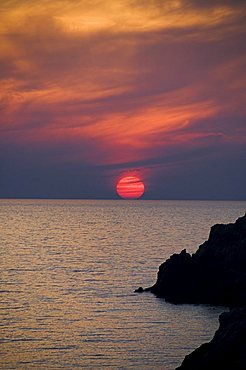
114, 84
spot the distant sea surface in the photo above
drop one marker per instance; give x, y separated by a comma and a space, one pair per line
68, 273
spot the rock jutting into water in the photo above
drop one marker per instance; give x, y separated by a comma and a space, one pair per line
215, 274
227, 350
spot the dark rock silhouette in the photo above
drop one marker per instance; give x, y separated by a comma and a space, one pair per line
139, 290
227, 350
215, 274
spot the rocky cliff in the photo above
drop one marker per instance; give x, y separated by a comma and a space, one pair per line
227, 350
215, 274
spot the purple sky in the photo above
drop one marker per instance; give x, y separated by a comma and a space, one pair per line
95, 90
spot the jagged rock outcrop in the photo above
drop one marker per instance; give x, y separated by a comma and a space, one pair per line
215, 274
227, 350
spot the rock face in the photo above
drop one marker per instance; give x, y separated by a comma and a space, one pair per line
215, 274
227, 350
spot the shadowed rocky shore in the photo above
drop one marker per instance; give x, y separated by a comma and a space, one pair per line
227, 350
216, 275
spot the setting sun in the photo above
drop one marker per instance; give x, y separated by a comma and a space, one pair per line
130, 187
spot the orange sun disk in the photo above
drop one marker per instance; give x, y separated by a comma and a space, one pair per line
130, 187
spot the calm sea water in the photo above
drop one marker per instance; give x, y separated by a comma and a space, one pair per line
68, 272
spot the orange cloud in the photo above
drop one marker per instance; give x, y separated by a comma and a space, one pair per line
132, 77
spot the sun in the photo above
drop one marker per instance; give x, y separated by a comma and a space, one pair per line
130, 187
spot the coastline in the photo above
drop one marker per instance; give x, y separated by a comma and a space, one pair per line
215, 274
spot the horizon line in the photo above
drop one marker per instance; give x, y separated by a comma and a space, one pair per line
121, 199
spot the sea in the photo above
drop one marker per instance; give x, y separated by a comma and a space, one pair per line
69, 269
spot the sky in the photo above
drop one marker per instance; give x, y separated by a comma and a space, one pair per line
94, 90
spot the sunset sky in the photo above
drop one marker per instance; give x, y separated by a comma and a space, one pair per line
92, 90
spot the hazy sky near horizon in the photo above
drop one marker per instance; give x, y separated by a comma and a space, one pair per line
94, 90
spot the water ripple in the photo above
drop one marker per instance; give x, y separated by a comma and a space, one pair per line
68, 274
